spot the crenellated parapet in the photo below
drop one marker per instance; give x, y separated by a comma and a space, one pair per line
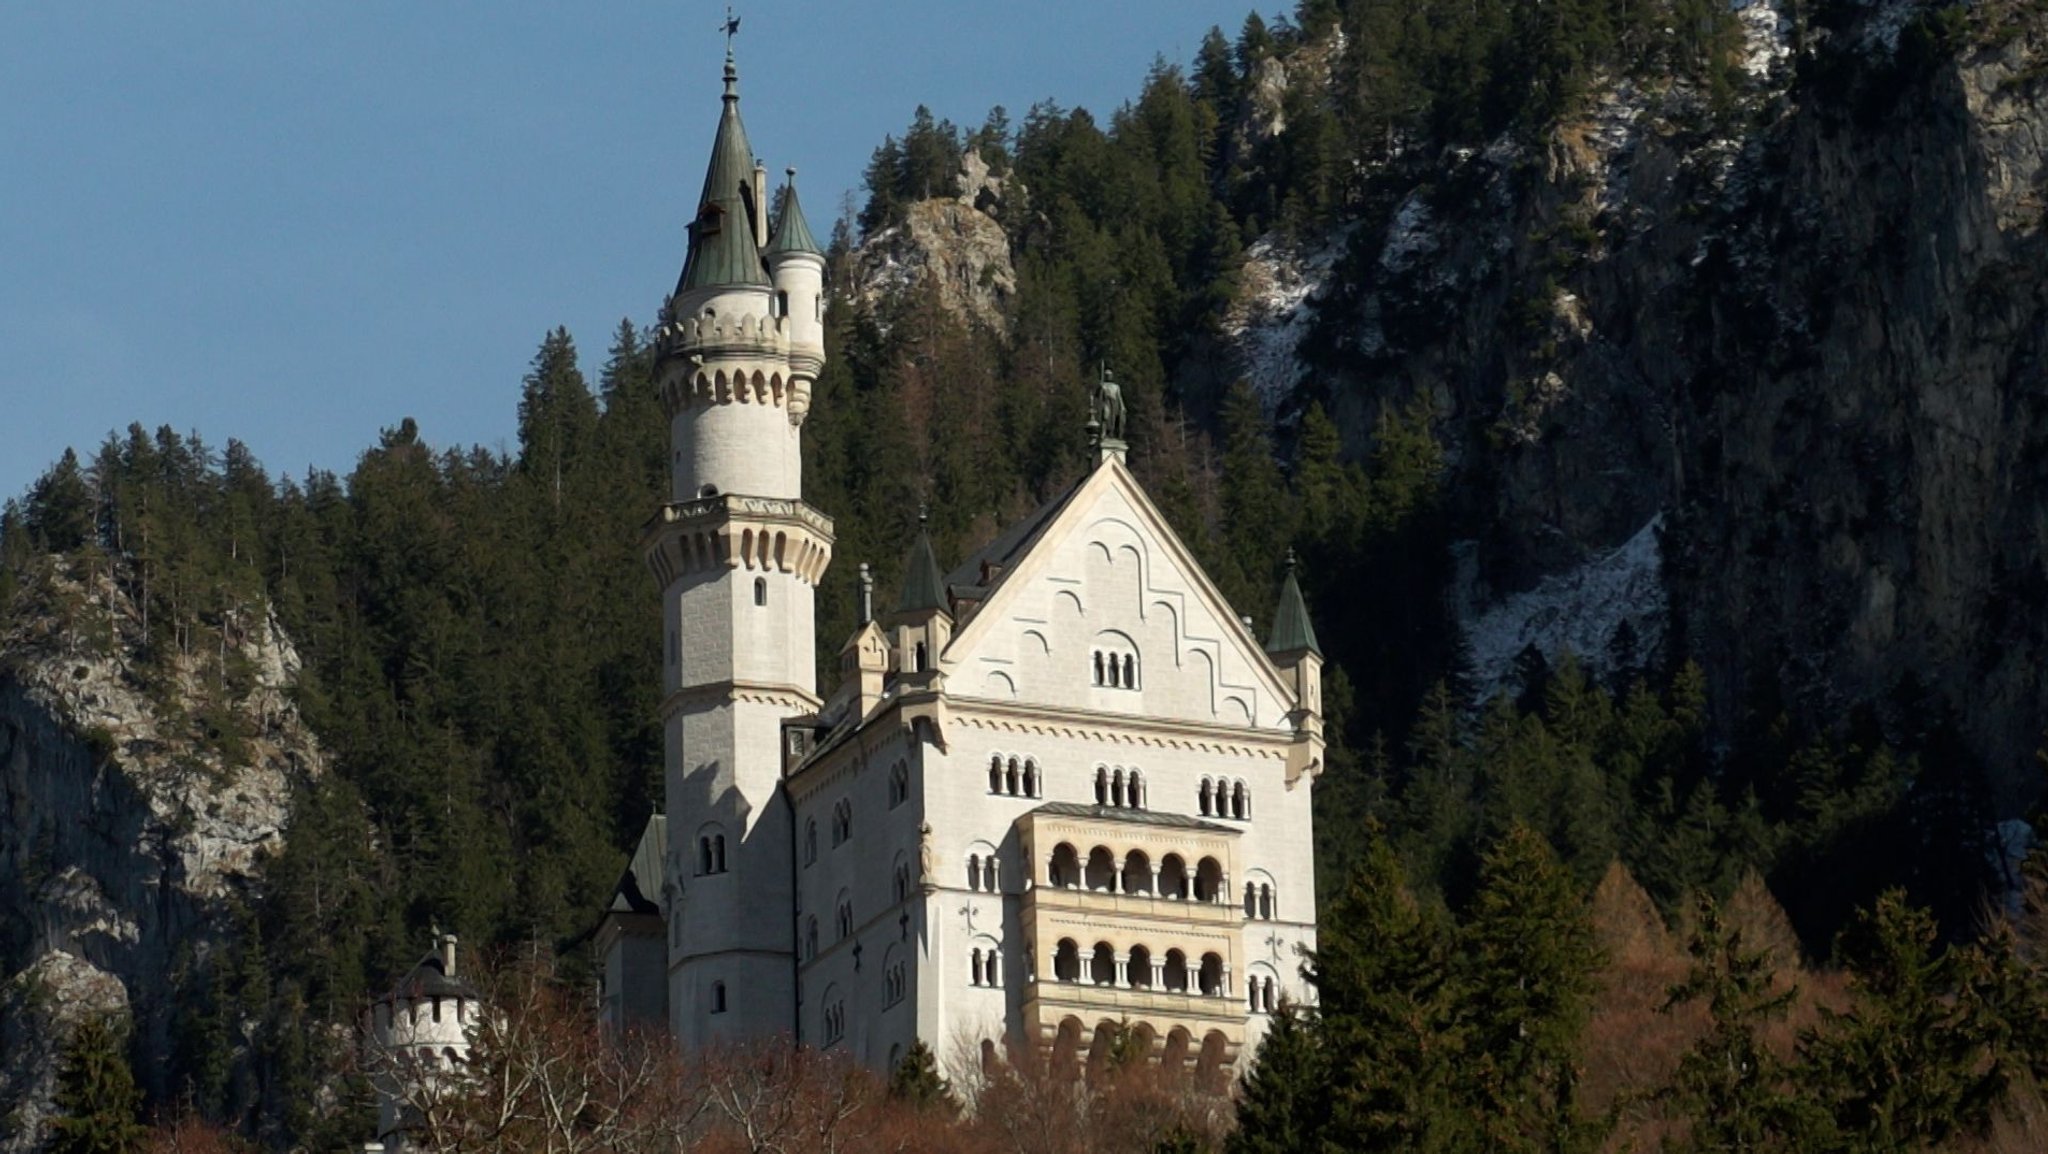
735, 532
743, 359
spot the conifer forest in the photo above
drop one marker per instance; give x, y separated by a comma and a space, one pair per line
1737, 880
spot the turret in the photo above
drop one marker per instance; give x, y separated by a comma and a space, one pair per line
922, 624
419, 1038
1292, 646
798, 270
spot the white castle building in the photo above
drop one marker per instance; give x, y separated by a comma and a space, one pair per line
1060, 787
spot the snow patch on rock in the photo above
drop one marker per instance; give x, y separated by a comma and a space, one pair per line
1274, 308
1577, 612
1766, 36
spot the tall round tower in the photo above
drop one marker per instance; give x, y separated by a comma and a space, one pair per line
738, 555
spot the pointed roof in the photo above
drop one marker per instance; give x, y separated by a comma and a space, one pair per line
923, 588
792, 232
722, 249
639, 888
1292, 628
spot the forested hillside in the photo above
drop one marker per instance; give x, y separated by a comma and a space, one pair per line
1759, 290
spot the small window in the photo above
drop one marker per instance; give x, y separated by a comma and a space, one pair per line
899, 784
718, 997
845, 919
842, 823
760, 591
781, 304
707, 490
811, 842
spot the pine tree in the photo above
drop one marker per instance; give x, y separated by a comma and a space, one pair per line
916, 1079
1285, 1101
1733, 1090
96, 1100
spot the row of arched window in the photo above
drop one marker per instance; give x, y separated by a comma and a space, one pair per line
895, 984
1261, 994
1136, 875
981, 873
1223, 797
1119, 787
1014, 777
1116, 670
1141, 969
835, 1022
1258, 901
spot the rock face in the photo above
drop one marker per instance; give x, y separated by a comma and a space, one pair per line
1807, 334
126, 837
953, 245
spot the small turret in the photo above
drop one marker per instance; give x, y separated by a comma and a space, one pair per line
798, 269
1293, 648
419, 1034
922, 623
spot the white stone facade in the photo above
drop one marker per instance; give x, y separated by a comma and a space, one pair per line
1067, 787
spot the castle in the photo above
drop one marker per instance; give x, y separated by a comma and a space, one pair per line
1058, 788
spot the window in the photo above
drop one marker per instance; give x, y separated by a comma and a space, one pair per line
810, 947
811, 842
842, 822
895, 983
985, 965
835, 1021
1225, 798
710, 854
760, 591
1258, 900
718, 997
844, 918
902, 878
781, 304
1013, 777
1119, 787
899, 784
981, 870
1115, 668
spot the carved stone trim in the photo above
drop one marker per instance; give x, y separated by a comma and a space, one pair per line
1047, 721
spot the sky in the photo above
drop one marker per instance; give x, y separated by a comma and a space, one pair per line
296, 224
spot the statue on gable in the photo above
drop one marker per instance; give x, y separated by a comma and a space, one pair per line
1109, 407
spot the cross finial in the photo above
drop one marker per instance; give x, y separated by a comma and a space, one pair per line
1290, 558
731, 28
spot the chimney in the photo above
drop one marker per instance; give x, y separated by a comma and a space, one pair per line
867, 594
448, 954
760, 204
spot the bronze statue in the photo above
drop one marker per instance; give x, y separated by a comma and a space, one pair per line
1109, 407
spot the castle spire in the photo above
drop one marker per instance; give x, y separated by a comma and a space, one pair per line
792, 232
1292, 630
723, 246
923, 588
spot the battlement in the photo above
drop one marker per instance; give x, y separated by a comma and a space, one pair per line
747, 334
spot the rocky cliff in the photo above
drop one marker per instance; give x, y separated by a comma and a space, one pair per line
137, 805
1798, 336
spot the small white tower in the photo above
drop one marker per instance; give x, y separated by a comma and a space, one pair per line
419, 1035
738, 555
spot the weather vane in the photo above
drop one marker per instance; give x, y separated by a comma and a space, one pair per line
731, 27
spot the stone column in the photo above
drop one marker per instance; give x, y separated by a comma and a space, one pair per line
1123, 969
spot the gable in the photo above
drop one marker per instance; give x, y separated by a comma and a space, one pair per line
1106, 610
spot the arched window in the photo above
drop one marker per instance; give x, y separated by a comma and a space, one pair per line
1240, 801
902, 876
844, 918
842, 822
1265, 902
1102, 869
1101, 785
710, 852
1211, 977
760, 591
899, 784
1209, 881
995, 774
1134, 790
1098, 668
1205, 797
810, 937
1066, 961
1137, 877
920, 667
1116, 788
1140, 968
1065, 870
811, 841
1030, 778
718, 997
1130, 671
974, 871
1102, 965
1174, 974
1015, 780
1173, 877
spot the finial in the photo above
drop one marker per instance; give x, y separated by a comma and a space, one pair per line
924, 513
867, 594
1290, 559
731, 28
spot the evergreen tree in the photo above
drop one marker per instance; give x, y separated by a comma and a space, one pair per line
1284, 1106
916, 1079
96, 1100
1731, 1088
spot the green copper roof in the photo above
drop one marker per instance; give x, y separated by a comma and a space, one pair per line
792, 232
722, 249
1292, 629
923, 588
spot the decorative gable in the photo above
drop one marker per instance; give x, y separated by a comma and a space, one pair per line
1106, 610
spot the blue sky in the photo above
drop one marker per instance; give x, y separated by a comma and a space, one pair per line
295, 224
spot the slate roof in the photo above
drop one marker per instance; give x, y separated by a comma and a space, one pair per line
639, 888
792, 232
722, 249
1130, 816
1292, 628
923, 588
429, 980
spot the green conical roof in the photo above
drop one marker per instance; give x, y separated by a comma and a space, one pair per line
923, 588
1292, 629
722, 248
792, 232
